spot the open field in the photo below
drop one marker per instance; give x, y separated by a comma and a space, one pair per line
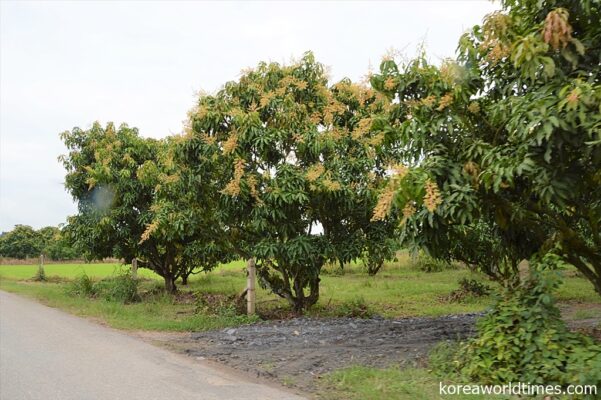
399, 290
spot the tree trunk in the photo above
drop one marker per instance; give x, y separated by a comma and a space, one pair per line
301, 302
170, 284
589, 273
184, 279
373, 268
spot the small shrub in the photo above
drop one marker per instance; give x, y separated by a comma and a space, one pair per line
427, 263
446, 359
218, 305
333, 269
82, 286
40, 275
524, 339
356, 308
122, 288
468, 288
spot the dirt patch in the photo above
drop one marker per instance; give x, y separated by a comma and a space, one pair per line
298, 351
583, 317
160, 337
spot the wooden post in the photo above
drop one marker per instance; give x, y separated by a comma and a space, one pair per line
250, 286
134, 268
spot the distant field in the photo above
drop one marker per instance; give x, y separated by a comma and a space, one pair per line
17, 272
63, 270
399, 290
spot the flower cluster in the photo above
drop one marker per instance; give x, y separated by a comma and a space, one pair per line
428, 101
432, 198
230, 144
408, 211
385, 200
445, 101
494, 29
314, 172
557, 31
150, 229
474, 107
362, 128
390, 83
233, 186
331, 185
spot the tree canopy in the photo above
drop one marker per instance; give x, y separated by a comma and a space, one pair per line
490, 159
131, 204
295, 164
503, 145
25, 242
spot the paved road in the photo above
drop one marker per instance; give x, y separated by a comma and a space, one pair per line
47, 354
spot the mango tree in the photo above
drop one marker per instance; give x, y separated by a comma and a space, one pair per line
129, 206
295, 163
503, 145
21, 242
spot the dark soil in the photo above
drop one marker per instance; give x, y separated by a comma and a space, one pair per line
298, 351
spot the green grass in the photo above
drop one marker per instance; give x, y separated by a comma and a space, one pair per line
68, 271
399, 290
363, 383
159, 313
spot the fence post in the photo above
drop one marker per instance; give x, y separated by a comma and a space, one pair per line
250, 286
134, 268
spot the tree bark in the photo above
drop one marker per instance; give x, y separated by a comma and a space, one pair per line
301, 302
170, 284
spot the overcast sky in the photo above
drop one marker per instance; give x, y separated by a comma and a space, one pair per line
66, 64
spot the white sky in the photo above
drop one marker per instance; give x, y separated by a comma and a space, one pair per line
66, 64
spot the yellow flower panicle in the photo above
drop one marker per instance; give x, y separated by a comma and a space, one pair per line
474, 107
573, 97
302, 85
390, 83
399, 171
557, 31
233, 186
377, 139
331, 185
382, 208
266, 99
428, 101
473, 170
445, 101
150, 229
362, 128
314, 172
230, 144
210, 140
432, 198
494, 30
408, 211
252, 186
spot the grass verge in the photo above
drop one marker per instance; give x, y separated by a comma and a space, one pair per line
363, 383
